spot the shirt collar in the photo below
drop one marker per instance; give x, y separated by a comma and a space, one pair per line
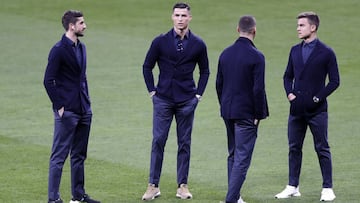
71, 43
246, 40
310, 44
185, 37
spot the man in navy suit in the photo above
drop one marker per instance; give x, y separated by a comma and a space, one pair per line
310, 63
176, 95
66, 85
240, 86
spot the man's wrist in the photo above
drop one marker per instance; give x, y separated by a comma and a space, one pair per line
316, 99
152, 93
291, 96
198, 96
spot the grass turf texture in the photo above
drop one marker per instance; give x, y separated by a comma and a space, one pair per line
118, 36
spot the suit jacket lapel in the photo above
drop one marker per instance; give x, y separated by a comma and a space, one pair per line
70, 51
83, 48
173, 52
187, 49
312, 56
73, 59
298, 61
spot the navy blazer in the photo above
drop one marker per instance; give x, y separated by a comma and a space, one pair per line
176, 82
309, 79
65, 79
240, 82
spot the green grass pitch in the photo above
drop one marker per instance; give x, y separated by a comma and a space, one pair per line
119, 32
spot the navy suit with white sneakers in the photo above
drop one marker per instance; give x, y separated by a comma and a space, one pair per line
310, 77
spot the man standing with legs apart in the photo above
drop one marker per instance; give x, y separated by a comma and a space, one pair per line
176, 53
240, 86
310, 63
66, 85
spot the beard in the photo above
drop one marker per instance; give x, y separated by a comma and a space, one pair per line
79, 34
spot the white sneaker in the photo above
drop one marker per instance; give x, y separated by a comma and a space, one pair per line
327, 194
240, 200
289, 191
151, 193
183, 192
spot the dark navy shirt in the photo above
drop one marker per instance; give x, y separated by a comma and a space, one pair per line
307, 48
77, 50
180, 44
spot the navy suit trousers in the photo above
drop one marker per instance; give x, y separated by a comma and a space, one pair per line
163, 113
242, 136
297, 127
71, 135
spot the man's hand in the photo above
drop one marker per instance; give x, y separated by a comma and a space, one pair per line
291, 96
198, 96
152, 93
61, 111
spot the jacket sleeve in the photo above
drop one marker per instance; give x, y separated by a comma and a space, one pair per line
149, 64
289, 76
334, 77
219, 82
204, 71
50, 77
260, 100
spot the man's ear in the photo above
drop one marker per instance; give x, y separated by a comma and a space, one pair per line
313, 28
72, 26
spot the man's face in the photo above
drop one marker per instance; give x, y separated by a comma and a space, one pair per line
304, 28
79, 27
181, 18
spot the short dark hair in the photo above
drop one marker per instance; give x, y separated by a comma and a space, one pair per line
181, 5
312, 17
70, 16
247, 23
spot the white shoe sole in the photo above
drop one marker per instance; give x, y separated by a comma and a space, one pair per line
327, 200
298, 194
153, 197
182, 197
